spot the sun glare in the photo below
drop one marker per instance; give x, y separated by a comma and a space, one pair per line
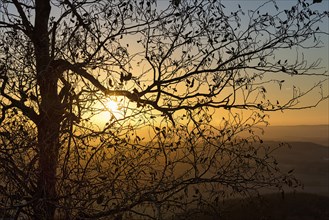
113, 106
111, 111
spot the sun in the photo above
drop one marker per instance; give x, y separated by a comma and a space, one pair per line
110, 110
113, 109
112, 106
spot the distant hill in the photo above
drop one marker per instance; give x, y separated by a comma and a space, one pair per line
293, 206
300, 206
308, 157
310, 162
318, 134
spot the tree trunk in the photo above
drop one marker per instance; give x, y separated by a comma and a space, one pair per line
48, 146
50, 114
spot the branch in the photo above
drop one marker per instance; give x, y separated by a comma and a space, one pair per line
27, 111
74, 10
26, 22
3, 112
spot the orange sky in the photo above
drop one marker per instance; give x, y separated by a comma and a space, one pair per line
312, 116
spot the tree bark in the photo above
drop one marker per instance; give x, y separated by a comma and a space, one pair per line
48, 146
50, 113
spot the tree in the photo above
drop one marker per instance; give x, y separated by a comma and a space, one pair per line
171, 69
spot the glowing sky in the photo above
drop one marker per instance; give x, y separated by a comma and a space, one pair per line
320, 114
310, 116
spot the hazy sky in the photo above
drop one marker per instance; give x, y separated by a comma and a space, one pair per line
311, 116
320, 114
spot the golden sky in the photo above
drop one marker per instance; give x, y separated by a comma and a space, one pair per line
311, 116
